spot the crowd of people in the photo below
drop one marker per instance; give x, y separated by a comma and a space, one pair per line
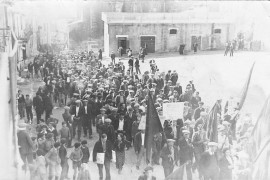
112, 101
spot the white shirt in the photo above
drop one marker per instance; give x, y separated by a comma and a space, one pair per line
142, 138
85, 109
121, 125
77, 110
102, 119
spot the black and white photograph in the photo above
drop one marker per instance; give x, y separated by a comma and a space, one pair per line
134, 90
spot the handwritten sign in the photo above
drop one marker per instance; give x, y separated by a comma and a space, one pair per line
173, 111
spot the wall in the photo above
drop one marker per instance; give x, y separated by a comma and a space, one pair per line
164, 41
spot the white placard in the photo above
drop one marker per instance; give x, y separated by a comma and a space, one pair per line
173, 111
100, 158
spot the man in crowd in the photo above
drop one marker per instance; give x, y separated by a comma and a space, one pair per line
77, 115
169, 155
103, 147
28, 108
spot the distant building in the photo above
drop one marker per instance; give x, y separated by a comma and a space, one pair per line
164, 32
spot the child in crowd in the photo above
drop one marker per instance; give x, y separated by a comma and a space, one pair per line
41, 165
64, 132
48, 144
54, 161
85, 151
35, 146
84, 173
76, 158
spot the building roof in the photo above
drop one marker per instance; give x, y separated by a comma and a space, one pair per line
164, 18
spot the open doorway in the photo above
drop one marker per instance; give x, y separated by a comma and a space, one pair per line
196, 39
123, 42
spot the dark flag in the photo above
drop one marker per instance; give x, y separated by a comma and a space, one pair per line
245, 89
212, 125
261, 144
153, 126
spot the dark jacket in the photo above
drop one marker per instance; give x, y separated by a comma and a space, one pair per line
197, 112
38, 104
47, 103
120, 147
128, 121
109, 130
138, 142
25, 143
91, 109
63, 154
115, 121
73, 111
86, 154
186, 151
99, 149
209, 164
166, 161
225, 171
117, 100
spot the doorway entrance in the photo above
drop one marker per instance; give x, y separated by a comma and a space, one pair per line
148, 42
198, 40
123, 42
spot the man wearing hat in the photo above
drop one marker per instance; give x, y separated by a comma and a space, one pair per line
169, 155
67, 118
174, 77
168, 76
166, 88
100, 119
77, 115
130, 96
25, 145
202, 120
208, 163
110, 96
48, 105
86, 120
199, 141
103, 146
178, 88
147, 174
120, 98
92, 109
187, 126
198, 110
114, 116
185, 154
108, 129
130, 117
38, 106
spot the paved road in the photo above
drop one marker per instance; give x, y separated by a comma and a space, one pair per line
213, 74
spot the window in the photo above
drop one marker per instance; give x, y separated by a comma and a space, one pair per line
173, 31
218, 31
